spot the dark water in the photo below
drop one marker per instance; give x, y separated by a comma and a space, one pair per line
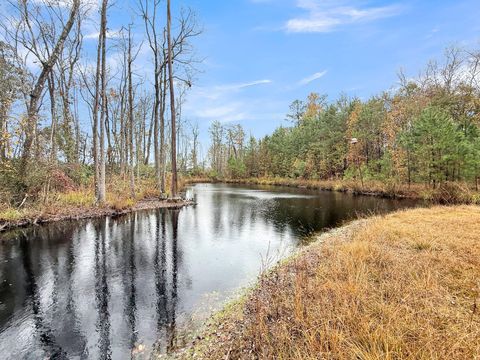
96, 289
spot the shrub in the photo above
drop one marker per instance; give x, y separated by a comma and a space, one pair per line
120, 204
450, 193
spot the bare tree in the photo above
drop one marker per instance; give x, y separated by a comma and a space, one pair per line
28, 34
151, 28
12, 80
195, 143
67, 65
173, 191
100, 103
130, 60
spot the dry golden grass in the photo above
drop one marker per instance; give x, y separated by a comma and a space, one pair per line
403, 286
80, 202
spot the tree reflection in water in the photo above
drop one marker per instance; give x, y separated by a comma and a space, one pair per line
113, 288
102, 294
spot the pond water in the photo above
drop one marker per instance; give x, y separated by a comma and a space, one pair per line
97, 289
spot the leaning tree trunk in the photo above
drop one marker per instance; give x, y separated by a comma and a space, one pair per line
35, 95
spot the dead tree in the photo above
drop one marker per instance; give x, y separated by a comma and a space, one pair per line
130, 115
173, 191
100, 103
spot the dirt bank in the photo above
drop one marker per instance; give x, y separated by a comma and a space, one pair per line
77, 213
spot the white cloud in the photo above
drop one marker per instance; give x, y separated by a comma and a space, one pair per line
226, 102
311, 78
243, 85
224, 111
327, 16
217, 91
111, 34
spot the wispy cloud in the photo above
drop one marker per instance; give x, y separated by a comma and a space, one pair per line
327, 16
226, 102
432, 33
217, 91
243, 85
226, 113
311, 78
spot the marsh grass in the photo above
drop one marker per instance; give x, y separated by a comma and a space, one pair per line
447, 193
402, 286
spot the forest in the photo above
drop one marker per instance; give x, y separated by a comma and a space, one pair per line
424, 130
83, 129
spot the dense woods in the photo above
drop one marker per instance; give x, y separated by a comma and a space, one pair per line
425, 130
78, 116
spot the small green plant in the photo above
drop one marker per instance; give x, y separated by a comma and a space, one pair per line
11, 215
76, 198
476, 199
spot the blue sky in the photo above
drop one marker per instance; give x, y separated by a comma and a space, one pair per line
260, 55
263, 54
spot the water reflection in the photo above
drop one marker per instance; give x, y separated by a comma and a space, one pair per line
111, 288
44, 332
102, 293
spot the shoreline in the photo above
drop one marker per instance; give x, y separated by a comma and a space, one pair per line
374, 189
370, 257
222, 323
81, 213
445, 194
333, 186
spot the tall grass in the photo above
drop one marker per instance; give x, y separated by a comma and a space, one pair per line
404, 286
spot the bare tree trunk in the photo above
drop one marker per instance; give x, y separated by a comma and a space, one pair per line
156, 149
151, 31
122, 136
172, 104
149, 141
3, 132
96, 104
130, 116
53, 126
108, 131
102, 36
163, 158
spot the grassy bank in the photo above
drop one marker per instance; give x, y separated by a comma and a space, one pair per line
79, 203
446, 193
402, 286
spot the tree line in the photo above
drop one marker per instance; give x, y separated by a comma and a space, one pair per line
425, 130
66, 116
